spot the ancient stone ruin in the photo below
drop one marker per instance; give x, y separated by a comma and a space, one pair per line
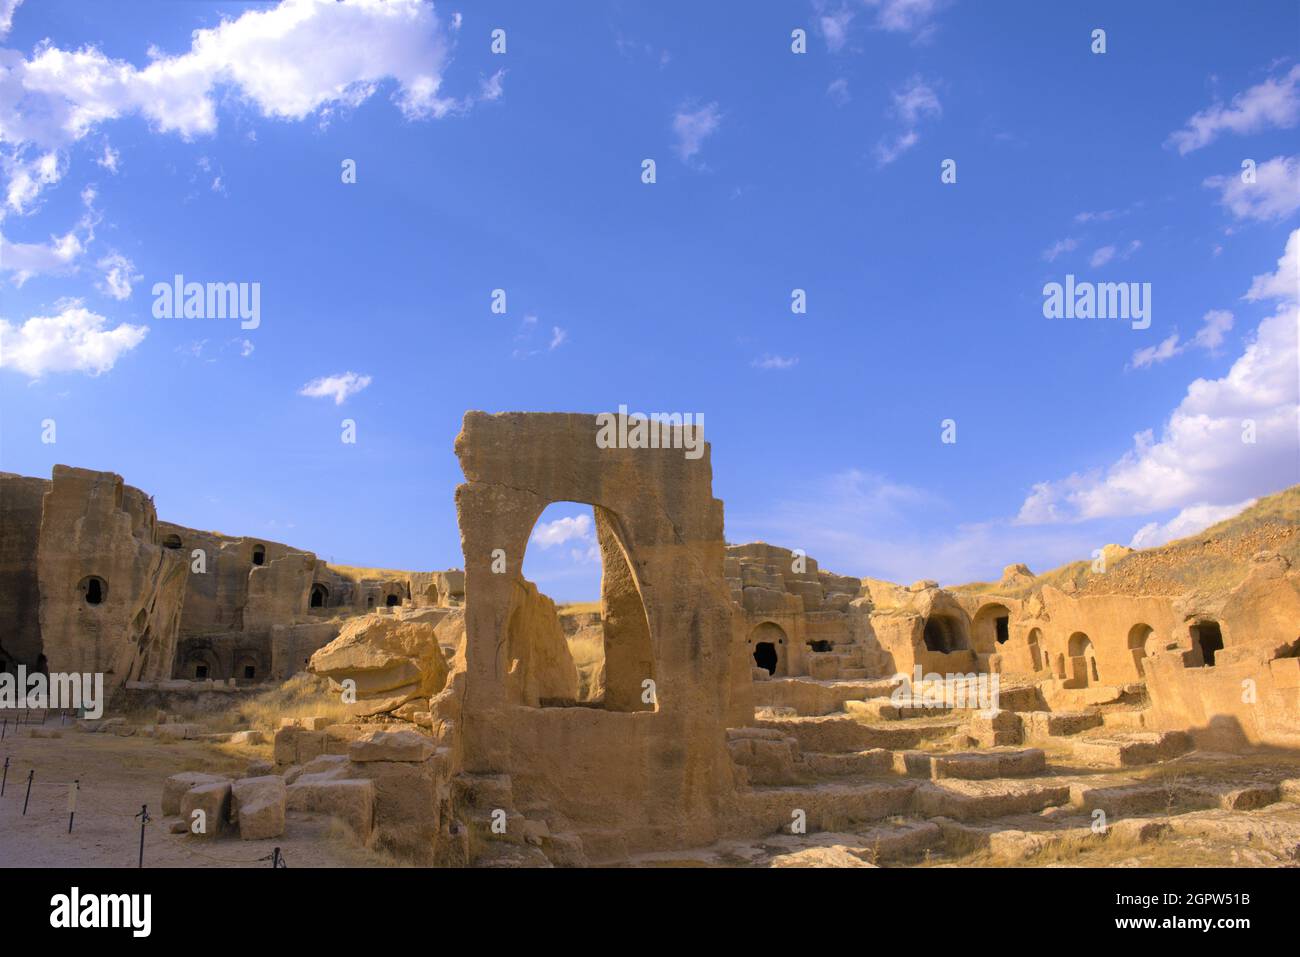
746, 706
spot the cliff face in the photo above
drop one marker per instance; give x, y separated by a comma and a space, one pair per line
110, 596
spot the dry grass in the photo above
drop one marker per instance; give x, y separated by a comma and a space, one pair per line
588, 650
302, 696
579, 608
1215, 560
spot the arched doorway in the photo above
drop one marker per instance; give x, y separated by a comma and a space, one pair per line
945, 634
990, 628
320, 595
1207, 640
768, 646
392, 601
1083, 659
93, 589
1036, 658
1138, 636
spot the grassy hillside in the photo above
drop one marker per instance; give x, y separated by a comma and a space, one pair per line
1216, 559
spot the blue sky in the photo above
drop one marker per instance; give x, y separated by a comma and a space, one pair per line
133, 148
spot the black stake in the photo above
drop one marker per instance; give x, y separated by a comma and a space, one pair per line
72, 802
30, 774
4, 780
144, 819
4, 726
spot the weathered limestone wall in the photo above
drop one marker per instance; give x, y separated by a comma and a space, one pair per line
20, 530
97, 541
1251, 694
662, 777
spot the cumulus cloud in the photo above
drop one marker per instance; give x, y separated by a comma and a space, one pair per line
577, 527
693, 127
1275, 103
339, 387
1284, 284
1274, 195
297, 59
7, 8
1189, 521
1228, 439
73, 340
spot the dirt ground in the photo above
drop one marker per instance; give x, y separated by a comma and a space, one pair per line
119, 774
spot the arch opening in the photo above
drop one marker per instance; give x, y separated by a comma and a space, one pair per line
320, 595
1207, 641
259, 554
93, 590
575, 552
1139, 636
945, 634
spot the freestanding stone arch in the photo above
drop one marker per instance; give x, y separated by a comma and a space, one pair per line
658, 777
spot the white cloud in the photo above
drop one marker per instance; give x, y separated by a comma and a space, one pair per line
7, 8
1060, 247
297, 59
119, 273
912, 104
775, 362
834, 28
1193, 519
904, 16
1284, 284
74, 340
1201, 454
838, 91
693, 127
576, 528
1102, 256
1214, 326
337, 387
25, 260
1101, 216
1274, 103
109, 159
558, 336
1274, 195
891, 148
1151, 355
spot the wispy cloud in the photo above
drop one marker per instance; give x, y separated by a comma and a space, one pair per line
693, 127
1274, 195
775, 362
340, 387
1275, 103
912, 104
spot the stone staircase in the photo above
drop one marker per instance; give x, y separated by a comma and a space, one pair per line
892, 778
